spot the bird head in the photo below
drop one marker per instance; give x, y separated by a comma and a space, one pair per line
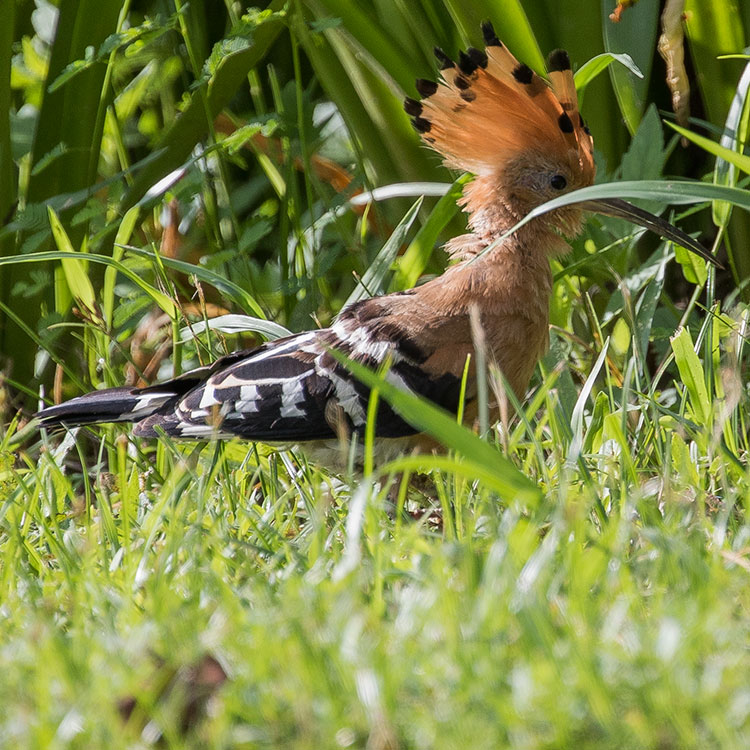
523, 138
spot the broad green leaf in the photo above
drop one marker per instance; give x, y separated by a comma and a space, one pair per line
712, 29
635, 35
510, 22
693, 268
646, 154
598, 64
691, 373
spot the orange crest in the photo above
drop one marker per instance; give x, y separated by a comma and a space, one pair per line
488, 109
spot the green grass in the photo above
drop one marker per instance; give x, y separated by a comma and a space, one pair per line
612, 615
578, 577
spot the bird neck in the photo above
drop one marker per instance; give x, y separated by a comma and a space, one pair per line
509, 287
493, 212
512, 279
534, 242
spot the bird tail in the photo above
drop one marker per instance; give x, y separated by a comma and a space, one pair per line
127, 404
108, 405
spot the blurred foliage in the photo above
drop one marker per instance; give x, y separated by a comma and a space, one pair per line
234, 130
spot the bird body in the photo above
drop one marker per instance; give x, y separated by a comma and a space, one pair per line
294, 389
526, 143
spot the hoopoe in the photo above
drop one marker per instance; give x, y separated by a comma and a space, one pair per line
526, 142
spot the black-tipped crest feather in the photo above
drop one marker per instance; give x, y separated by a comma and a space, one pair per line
490, 37
565, 123
523, 73
422, 125
558, 60
412, 107
443, 59
425, 88
466, 64
478, 57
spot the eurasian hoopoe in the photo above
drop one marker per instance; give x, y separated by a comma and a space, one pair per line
525, 142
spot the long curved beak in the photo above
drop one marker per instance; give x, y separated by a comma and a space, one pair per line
623, 210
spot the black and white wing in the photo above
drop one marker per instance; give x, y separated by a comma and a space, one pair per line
274, 393
290, 390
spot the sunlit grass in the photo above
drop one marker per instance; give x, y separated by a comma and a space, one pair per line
610, 614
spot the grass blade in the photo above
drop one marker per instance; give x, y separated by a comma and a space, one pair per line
738, 160
412, 263
73, 267
691, 372
733, 138
238, 324
373, 280
442, 426
161, 299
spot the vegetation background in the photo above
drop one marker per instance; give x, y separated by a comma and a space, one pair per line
182, 178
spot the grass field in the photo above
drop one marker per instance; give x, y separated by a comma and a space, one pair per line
577, 576
609, 611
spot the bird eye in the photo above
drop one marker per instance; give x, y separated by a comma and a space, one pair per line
558, 182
